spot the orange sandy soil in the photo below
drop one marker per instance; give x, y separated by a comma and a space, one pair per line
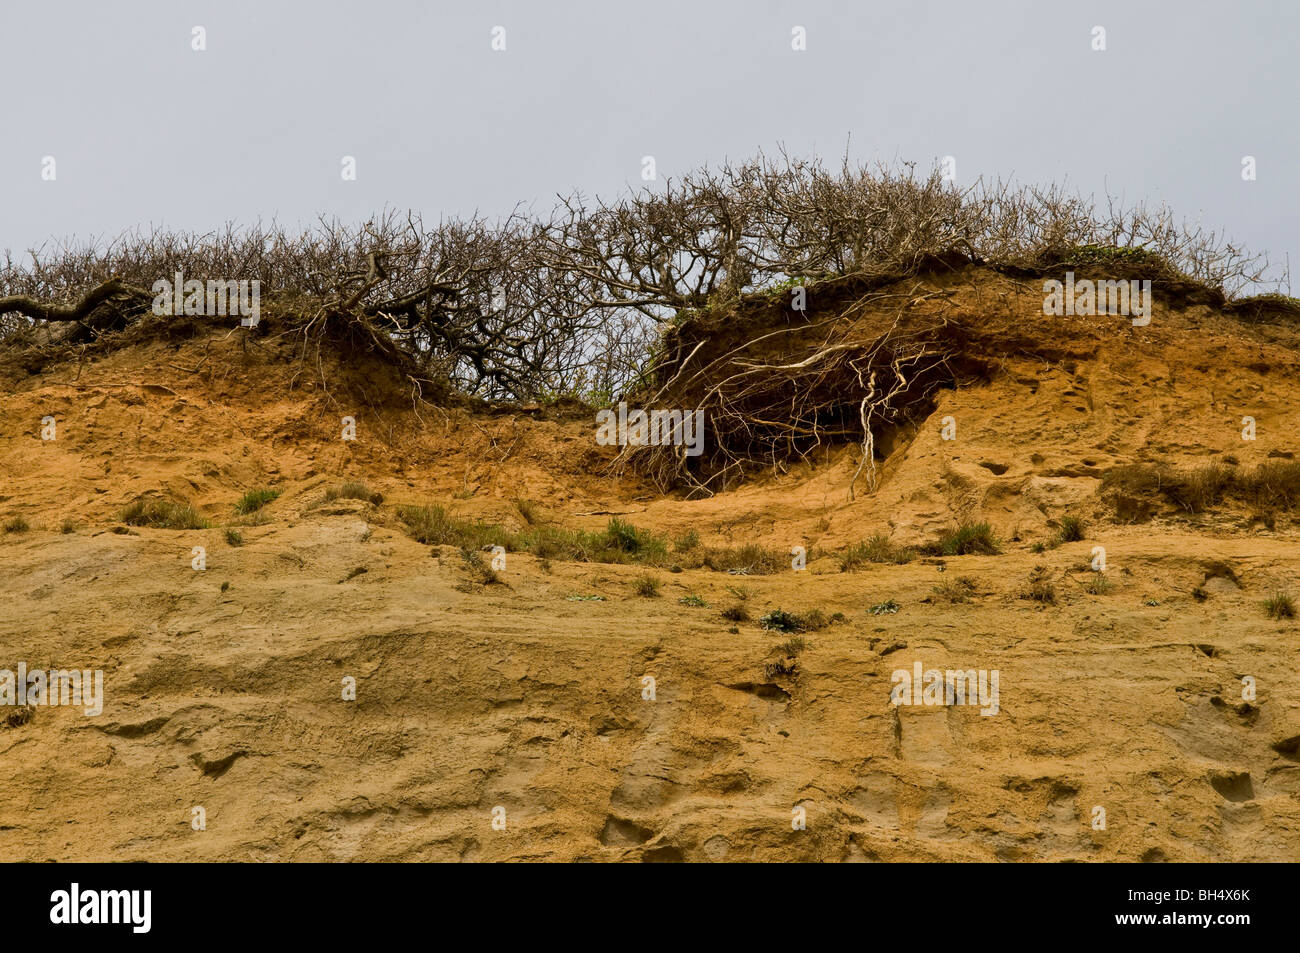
223, 687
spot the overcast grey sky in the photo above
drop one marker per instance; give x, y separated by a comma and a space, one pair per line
145, 130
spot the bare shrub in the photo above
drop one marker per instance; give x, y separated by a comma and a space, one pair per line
572, 301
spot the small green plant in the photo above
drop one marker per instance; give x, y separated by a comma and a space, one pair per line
254, 500
686, 541
1039, 587
877, 549
1094, 254
740, 592
433, 526
1072, 530
778, 620
1279, 606
234, 537
693, 600
1039, 547
479, 571
163, 514
888, 607
1098, 584
969, 539
17, 524
584, 598
955, 590
647, 585
626, 538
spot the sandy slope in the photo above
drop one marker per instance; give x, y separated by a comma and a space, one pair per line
473, 697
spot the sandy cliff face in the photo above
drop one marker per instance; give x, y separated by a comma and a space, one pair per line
223, 687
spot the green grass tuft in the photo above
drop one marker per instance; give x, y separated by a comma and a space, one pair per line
254, 500
969, 539
1279, 606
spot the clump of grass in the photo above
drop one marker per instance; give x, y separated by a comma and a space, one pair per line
686, 541
549, 542
1272, 486
877, 549
781, 667
751, 559
163, 514
791, 646
619, 542
1098, 584
17, 524
1203, 487
1072, 530
1279, 606
741, 593
969, 539
433, 526
1039, 547
888, 607
479, 571
736, 613
693, 600
353, 490
626, 539
68, 526
234, 537
955, 590
815, 620
778, 620
647, 585
1039, 587
254, 500
19, 716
